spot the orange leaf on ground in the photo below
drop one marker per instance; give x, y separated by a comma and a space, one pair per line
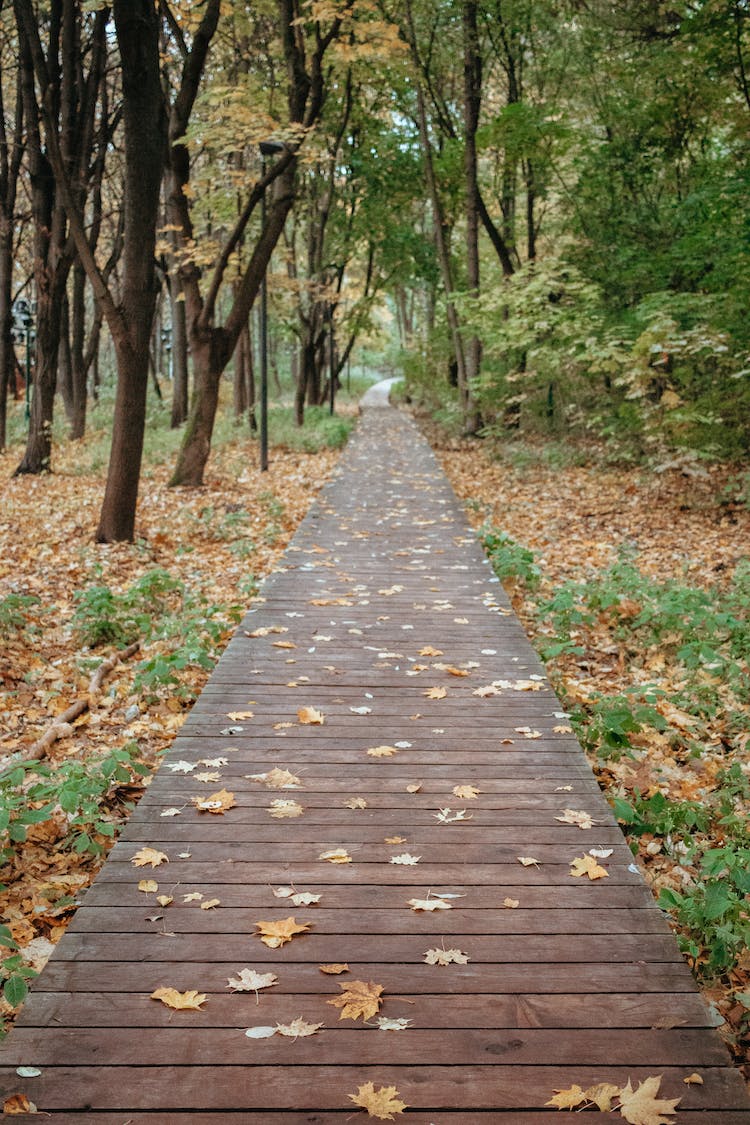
180, 1000
276, 934
435, 693
382, 751
587, 865
149, 857
336, 855
334, 969
359, 999
216, 803
309, 716
642, 1107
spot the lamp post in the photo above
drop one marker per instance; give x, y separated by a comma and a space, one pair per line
23, 332
267, 148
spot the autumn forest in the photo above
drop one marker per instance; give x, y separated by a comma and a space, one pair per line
220, 222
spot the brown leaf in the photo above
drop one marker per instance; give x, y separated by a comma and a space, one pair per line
510, 903
334, 969
693, 1080
359, 999
575, 816
210, 903
466, 792
428, 650
381, 1103
602, 1095
277, 779
309, 716
266, 630
355, 803
281, 809
237, 716
445, 957
429, 904
568, 1099
276, 934
528, 861
298, 1029
587, 865
642, 1107
216, 803
180, 1000
435, 693
395, 840
18, 1104
382, 751
149, 857
247, 980
150, 886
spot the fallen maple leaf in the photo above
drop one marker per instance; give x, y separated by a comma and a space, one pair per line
248, 980
382, 751
216, 803
266, 630
602, 1095
693, 1080
587, 865
385, 1024
194, 896
528, 861
237, 716
214, 763
447, 816
181, 767
527, 732
170, 812
466, 792
395, 840
429, 904
305, 898
355, 803
210, 903
334, 969
150, 886
445, 957
284, 644
510, 903
575, 816
180, 1000
359, 999
208, 777
17, 1104
337, 855
435, 693
277, 779
165, 900
568, 1099
284, 809
405, 859
276, 934
149, 857
428, 650
297, 1029
381, 1103
309, 716
642, 1107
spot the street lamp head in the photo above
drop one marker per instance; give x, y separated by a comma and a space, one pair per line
270, 148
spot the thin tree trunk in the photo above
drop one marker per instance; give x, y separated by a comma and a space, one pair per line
179, 355
79, 369
472, 96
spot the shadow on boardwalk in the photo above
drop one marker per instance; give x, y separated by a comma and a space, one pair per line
439, 744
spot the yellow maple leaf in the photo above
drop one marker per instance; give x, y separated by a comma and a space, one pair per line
180, 1000
445, 957
297, 1029
642, 1107
359, 999
165, 900
277, 779
528, 861
216, 803
587, 865
576, 816
334, 969
693, 1080
466, 792
210, 903
428, 650
602, 1095
309, 716
149, 857
395, 840
381, 1103
238, 715
510, 903
276, 934
150, 886
355, 803
382, 751
336, 855
435, 693
248, 980
568, 1099
266, 630
281, 809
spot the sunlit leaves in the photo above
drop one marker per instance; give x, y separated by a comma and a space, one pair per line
276, 934
180, 1001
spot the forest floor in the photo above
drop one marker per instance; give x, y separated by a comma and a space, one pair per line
634, 585
68, 603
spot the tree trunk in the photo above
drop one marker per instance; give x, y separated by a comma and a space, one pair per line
196, 443
180, 378
64, 361
38, 454
117, 517
7, 352
79, 369
472, 96
239, 378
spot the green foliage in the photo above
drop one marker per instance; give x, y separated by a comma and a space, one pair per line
13, 617
320, 431
510, 560
105, 617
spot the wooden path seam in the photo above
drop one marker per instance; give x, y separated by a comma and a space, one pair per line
386, 619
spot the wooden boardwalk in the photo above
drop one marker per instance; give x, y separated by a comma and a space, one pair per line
384, 596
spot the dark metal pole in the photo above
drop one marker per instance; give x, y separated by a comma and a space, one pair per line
263, 343
331, 361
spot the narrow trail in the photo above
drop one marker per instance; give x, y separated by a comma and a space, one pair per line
436, 741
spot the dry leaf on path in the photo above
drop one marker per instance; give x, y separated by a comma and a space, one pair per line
216, 803
466, 792
435, 693
170, 812
395, 840
359, 999
247, 980
528, 861
209, 777
355, 803
194, 896
298, 1029
693, 1080
445, 957
165, 900
17, 1104
429, 904
304, 898
448, 816
276, 934
335, 969
281, 809
381, 1103
150, 886
210, 904
309, 716
642, 1107
238, 716
414, 788
587, 865
385, 1024
149, 857
428, 650
337, 855
277, 779
266, 630
382, 751
576, 816
510, 903
568, 1099
405, 859
180, 1001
